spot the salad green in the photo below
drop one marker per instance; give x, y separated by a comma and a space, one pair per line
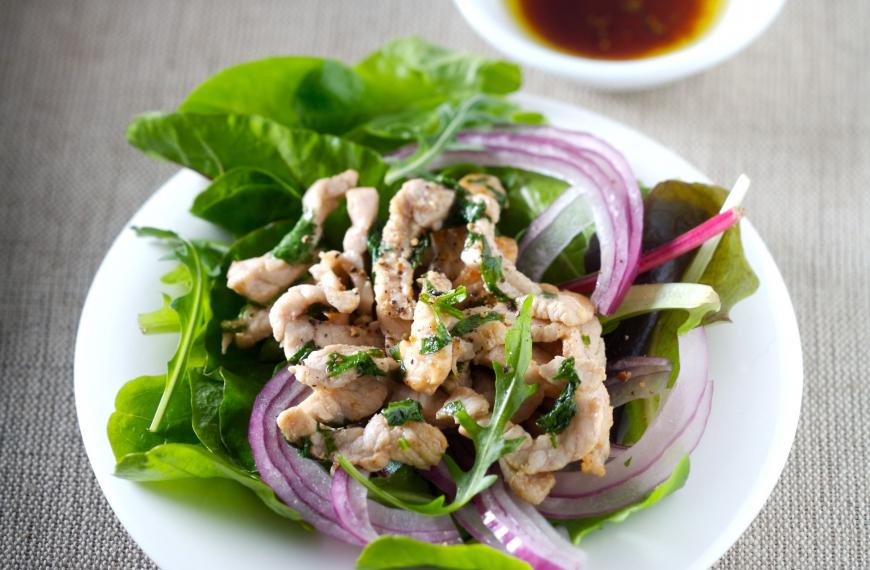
263, 132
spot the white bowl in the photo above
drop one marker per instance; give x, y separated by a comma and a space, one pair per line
740, 22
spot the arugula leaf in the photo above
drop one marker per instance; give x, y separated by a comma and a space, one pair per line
579, 528
401, 412
489, 442
392, 551
171, 461
244, 199
194, 313
565, 406
471, 322
337, 363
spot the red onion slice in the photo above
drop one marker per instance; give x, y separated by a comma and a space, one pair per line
307, 488
350, 504
674, 432
637, 488
524, 533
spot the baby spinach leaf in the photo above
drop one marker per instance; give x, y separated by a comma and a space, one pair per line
235, 413
135, 405
392, 551
265, 87
170, 461
403, 411
579, 528
215, 144
206, 394
331, 98
410, 69
244, 199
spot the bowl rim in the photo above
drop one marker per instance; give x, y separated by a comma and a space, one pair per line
701, 54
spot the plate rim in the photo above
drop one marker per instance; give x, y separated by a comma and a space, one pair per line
783, 434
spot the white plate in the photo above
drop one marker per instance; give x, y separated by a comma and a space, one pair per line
755, 362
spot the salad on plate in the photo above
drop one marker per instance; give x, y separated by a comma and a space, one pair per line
439, 328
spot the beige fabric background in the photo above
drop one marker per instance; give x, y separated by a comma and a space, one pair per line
792, 111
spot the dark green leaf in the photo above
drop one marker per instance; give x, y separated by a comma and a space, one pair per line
215, 144
565, 406
331, 98
474, 320
337, 363
244, 199
297, 245
402, 411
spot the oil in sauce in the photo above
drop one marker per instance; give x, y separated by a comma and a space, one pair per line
616, 29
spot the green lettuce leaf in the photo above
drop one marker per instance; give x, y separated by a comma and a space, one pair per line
215, 144
244, 199
402, 552
677, 206
691, 300
409, 70
172, 461
581, 527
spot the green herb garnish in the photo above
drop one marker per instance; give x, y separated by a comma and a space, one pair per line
302, 353
403, 411
490, 266
471, 322
565, 406
337, 363
296, 246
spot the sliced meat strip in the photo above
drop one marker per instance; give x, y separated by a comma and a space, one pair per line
329, 367
251, 327
413, 443
263, 278
418, 207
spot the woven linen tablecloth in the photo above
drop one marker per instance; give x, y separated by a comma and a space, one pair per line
793, 111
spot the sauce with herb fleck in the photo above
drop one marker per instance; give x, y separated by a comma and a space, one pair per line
616, 29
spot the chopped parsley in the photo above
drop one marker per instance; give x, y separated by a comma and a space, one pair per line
403, 444
471, 322
586, 340
627, 462
296, 246
441, 304
337, 363
302, 353
396, 354
490, 266
403, 411
565, 407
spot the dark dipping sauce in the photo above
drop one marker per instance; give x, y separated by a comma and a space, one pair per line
616, 29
